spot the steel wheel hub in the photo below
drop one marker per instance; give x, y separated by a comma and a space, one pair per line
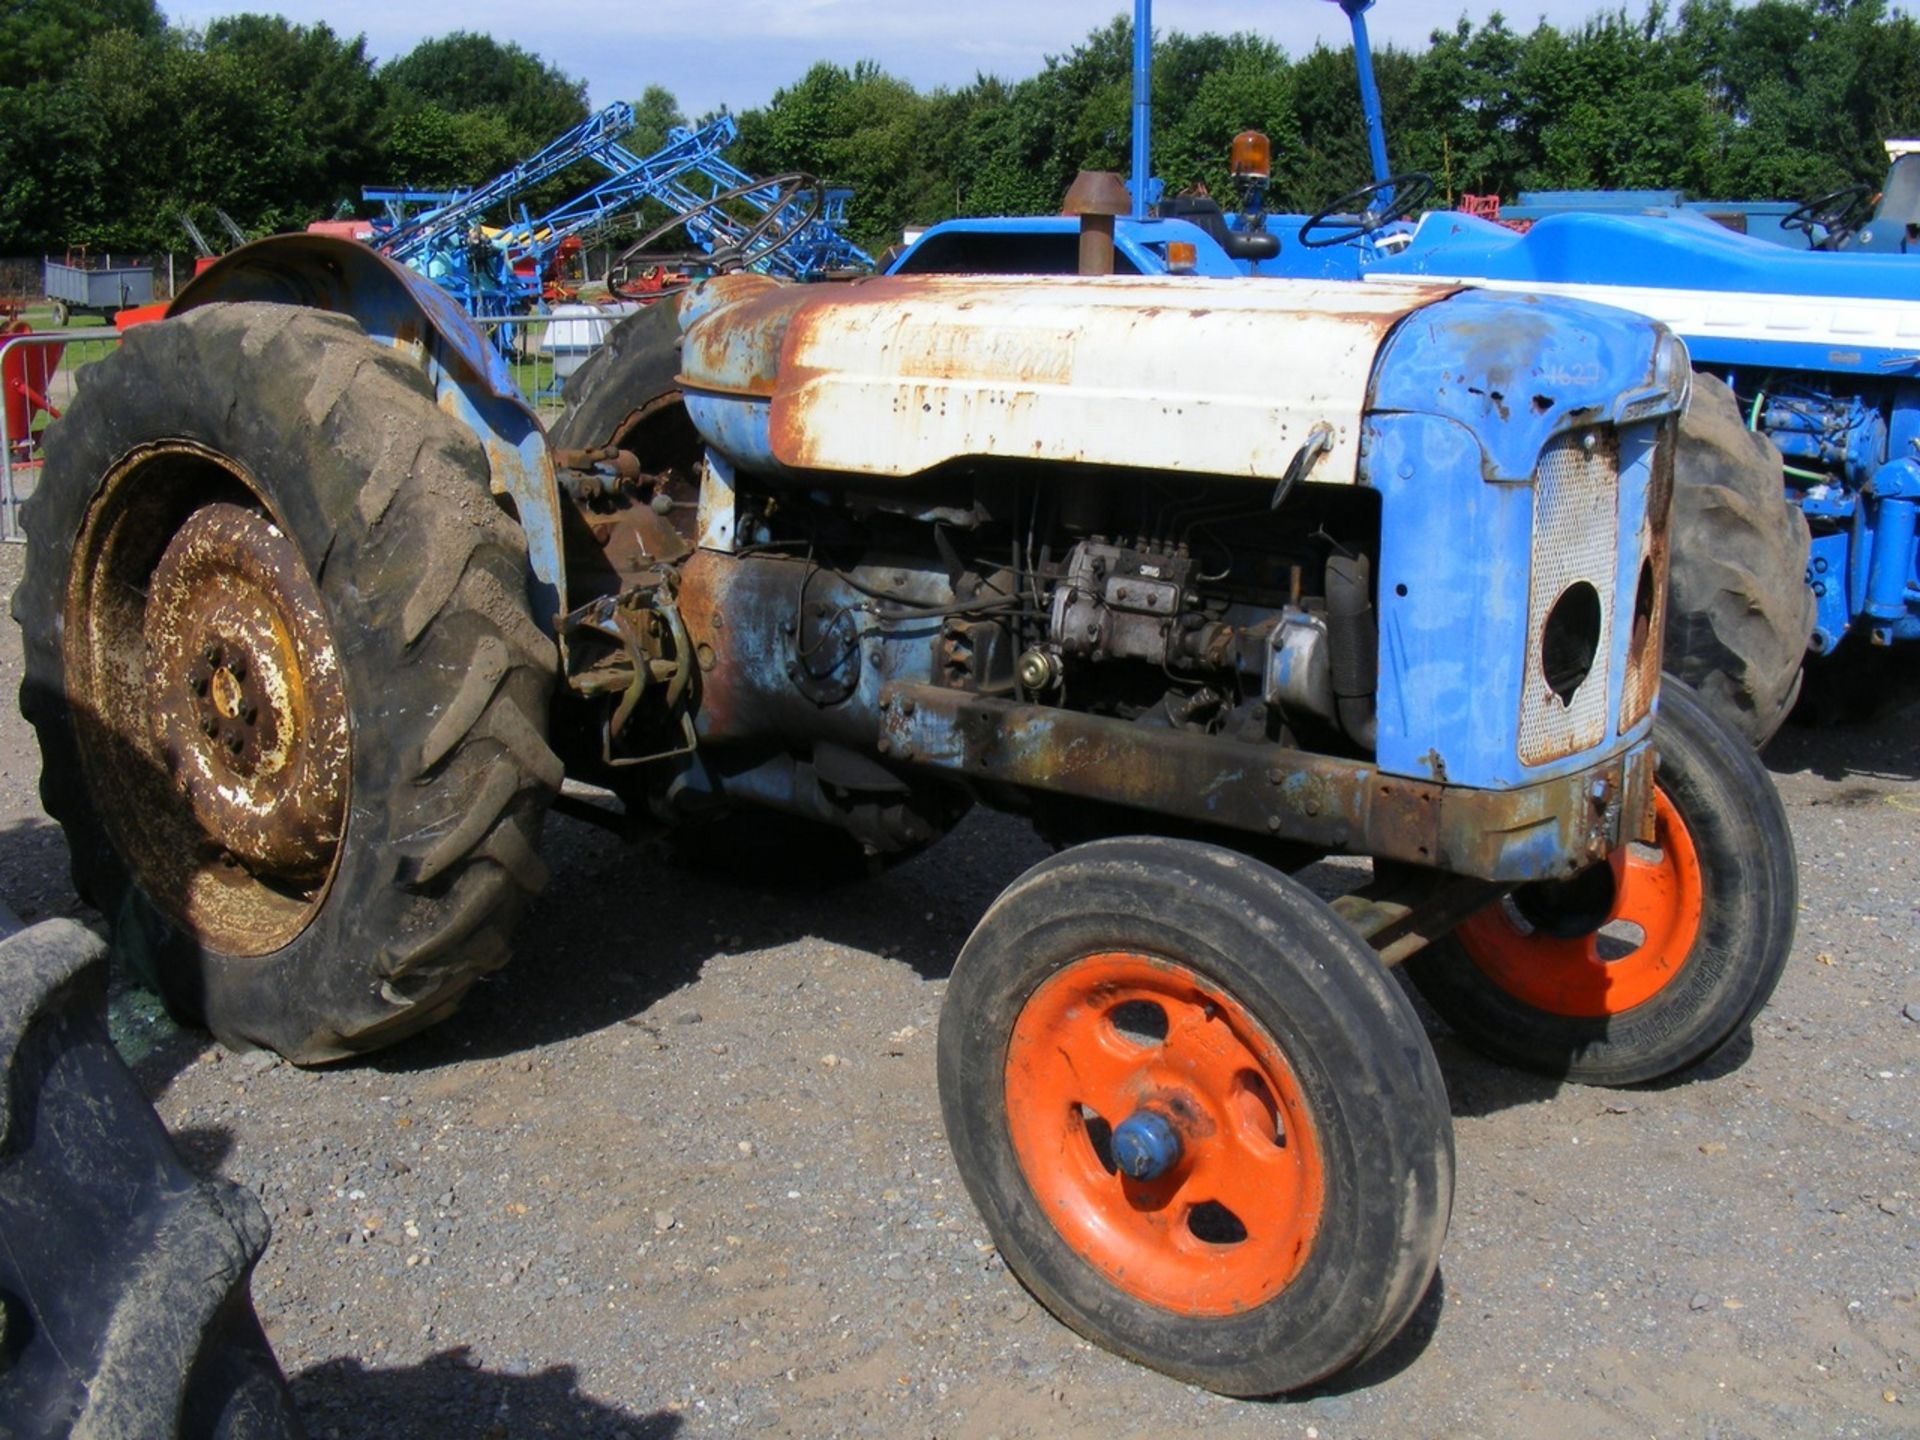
1578, 969
244, 693
1164, 1133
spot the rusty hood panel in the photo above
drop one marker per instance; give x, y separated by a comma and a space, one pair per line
898, 374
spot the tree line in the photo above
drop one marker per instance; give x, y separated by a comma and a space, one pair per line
117, 121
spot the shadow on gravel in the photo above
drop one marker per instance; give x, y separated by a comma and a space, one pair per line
446, 1396
1858, 716
203, 1147
1405, 1348
1478, 1087
619, 929
1723, 1062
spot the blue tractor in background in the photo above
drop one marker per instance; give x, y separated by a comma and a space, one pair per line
1807, 375
1854, 218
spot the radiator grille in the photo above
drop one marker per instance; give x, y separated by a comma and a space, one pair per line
1642, 679
1575, 532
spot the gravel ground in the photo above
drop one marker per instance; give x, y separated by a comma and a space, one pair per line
679, 1171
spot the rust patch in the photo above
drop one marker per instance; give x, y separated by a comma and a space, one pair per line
1544, 830
207, 698
736, 348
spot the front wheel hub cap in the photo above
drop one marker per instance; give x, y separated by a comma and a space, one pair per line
1164, 1133
1145, 1145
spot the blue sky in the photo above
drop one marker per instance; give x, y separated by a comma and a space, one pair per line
741, 51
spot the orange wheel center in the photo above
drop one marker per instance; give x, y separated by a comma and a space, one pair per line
1589, 977
1230, 1222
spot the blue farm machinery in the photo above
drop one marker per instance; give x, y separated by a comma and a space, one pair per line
1798, 470
1854, 218
496, 260
1206, 579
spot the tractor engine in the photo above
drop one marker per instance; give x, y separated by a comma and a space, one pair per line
1106, 543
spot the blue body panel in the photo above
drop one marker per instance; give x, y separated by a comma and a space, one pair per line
1681, 252
1514, 371
1456, 394
1757, 219
1846, 416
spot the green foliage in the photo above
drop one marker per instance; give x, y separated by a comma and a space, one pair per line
427, 147
860, 128
654, 114
117, 122
460, 109
41, 39
332, 101
464, 73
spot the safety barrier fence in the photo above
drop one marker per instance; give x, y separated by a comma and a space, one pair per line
38, 370
37, 377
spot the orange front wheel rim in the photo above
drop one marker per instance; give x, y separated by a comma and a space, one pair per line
1119, 1045
1656, 893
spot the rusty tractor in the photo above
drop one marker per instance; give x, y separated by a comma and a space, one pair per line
1209, 580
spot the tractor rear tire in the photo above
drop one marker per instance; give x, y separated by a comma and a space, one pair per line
627, 394
290, 700
1739, 611
124, 1304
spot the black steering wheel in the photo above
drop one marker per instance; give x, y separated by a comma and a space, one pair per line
742, 244
1838, 213
1354, 213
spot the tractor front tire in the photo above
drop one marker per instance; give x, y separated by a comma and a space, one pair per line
290, 699
1201, 1121
1739, 611
1671, 952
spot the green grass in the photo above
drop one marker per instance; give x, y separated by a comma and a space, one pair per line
41, 318
534, 376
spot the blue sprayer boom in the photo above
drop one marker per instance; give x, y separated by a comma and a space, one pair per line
505, 267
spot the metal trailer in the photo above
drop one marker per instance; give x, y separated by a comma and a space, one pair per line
80, 286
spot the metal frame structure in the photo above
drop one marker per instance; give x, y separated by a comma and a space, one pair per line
506, 267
